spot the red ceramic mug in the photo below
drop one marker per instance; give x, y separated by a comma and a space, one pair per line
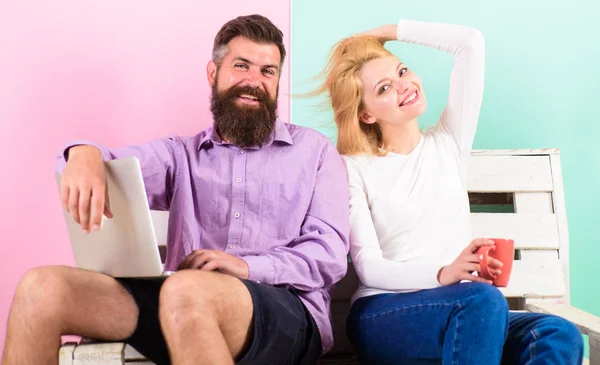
502, 250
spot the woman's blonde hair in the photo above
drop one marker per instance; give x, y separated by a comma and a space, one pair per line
345, 89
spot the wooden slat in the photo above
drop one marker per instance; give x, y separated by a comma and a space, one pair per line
103, 353
539, 278
516, 152
131, 354
594, 341
540, 255
65, 354
110, 353
587, 323
509, 174
538, 202
537, 231
536, 279
558, 199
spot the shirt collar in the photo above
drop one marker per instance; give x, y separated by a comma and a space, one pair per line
280, 134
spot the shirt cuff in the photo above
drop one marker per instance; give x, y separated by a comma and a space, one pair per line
105, 154
261, 269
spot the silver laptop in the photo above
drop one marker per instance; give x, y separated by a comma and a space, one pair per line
125, 245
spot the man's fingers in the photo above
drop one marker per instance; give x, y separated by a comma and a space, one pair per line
107, 211
211, 265
85, 195
200, 260
96, 210
64, 195
74, 204
184, 264
197, 259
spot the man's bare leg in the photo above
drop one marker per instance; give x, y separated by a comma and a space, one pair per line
56, 300
206, 317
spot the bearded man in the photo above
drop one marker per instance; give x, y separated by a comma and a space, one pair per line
258, 233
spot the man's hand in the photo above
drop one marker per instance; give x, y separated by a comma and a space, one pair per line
83, 187
468, 262
215, 260
383, 34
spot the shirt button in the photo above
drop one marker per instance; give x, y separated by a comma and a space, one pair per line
232, 246
237, 215
242, 151
239, 179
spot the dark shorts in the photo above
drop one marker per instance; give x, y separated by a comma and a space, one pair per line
283, 330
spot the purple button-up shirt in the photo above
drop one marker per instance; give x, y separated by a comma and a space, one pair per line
282, 208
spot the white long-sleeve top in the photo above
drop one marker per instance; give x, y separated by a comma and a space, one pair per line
409, 214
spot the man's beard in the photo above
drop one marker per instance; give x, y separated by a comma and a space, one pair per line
243, 125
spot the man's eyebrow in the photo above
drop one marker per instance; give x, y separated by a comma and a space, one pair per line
245, 60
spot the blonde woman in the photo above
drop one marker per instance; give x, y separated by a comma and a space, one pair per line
419, 301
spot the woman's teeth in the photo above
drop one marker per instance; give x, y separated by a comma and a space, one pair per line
410, 98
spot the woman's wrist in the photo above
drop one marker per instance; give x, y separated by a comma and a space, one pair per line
391, 32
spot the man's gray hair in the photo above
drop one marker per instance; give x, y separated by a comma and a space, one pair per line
219, 53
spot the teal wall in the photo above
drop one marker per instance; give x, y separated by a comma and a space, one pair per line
542, 89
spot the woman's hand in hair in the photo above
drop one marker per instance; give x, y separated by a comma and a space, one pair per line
383, 34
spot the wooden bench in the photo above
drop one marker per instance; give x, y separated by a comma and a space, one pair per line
513, 193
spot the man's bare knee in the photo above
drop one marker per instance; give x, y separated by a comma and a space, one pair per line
41, 291
197, 294
185, 293
203, 294
74, 301
192, 302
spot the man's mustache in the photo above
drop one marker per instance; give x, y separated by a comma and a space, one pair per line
253, 92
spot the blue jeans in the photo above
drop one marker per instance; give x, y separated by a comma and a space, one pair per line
466, 323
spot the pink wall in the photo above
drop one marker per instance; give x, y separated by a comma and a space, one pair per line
116, 72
